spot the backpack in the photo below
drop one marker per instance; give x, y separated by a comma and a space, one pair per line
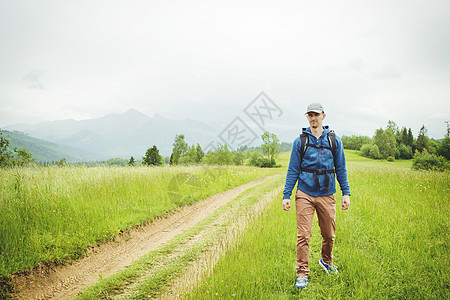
304, 139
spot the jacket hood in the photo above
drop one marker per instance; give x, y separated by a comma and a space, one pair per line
326, 129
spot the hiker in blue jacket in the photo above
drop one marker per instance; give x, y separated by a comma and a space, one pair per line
316, 156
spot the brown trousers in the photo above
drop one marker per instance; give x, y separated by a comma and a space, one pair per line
305, 205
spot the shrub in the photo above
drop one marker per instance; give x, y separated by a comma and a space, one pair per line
258, 160
404, 152
426, 161
267, 163
255, 158
371, 151
238, 158
390, 158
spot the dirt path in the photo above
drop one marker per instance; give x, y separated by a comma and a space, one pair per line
65, 282
204, 265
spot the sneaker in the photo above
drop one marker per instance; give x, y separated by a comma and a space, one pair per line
330, 269
301, 283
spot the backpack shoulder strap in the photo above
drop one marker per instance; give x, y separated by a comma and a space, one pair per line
304, 140
332, 141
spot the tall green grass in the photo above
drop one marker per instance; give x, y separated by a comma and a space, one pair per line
391, 244
54, 214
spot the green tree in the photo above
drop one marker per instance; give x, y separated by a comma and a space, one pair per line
238, 158
404, 139
371, 151
190, 157
152, 157
200, 154
222, 156
433, 146
23, 157
6, 156
390, 143
410, 140
180, 148
62, 162
444, 149
386, 142
270, 145
132, 162
392, 126
404, 152
422, 140
355, 142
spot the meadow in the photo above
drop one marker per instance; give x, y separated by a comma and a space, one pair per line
391, 244
54, 214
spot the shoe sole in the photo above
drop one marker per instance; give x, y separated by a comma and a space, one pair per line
326, 269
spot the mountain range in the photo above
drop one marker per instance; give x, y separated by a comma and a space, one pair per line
118, 135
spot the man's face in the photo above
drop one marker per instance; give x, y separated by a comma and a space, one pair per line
315, 119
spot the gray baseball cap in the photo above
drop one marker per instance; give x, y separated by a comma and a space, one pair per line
315, 107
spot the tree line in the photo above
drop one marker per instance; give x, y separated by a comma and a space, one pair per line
393, 143
182, 154
185, 154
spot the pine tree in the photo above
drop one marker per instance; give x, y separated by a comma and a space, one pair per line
410, 138
200, 153
152, 157
422, 140
448, 129
131, 162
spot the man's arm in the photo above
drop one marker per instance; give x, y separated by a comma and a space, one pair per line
292, 173
341, 168
341, 174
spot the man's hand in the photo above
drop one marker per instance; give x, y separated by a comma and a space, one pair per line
345, 202
286, 204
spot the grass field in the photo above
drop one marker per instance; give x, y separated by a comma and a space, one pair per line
53, 214
391, 244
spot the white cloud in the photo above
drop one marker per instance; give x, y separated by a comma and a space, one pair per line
208, 59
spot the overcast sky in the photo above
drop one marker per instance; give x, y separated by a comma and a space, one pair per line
367, 62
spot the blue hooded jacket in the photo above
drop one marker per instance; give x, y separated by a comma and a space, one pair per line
316, 159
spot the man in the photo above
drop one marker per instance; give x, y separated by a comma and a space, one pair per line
315, 169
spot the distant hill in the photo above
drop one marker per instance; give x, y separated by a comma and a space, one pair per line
120, 135
123, 135
44, 151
